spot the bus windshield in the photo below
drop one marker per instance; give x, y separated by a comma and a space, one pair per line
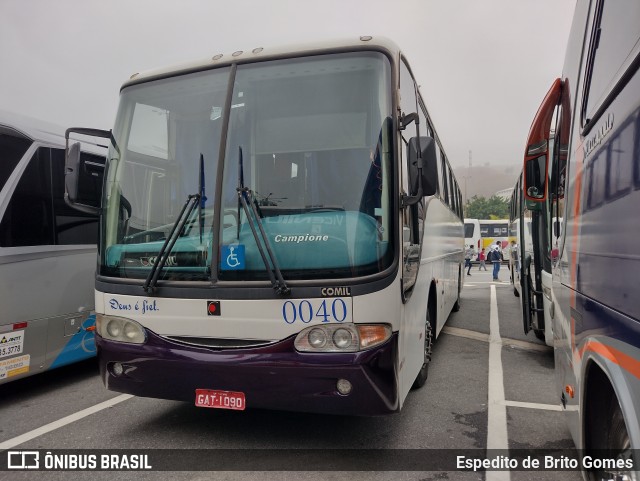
309, 139
469, 229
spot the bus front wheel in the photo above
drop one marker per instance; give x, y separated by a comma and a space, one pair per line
428, 345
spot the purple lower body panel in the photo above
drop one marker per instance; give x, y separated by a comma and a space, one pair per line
271, 377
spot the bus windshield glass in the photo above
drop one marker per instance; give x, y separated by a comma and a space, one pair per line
308, 142
468, 230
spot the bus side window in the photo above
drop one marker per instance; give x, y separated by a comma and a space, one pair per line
71, 225
614, 39
451, 188
445, 179
37, 214
12, 147
28, 219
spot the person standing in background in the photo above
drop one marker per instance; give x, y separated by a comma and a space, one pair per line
481, 258
468, 255
514, 255
495, 257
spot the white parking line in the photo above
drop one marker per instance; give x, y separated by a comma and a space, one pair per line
23, 438
497, 437
546, 407
484, 284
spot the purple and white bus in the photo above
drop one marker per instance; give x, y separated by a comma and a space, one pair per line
280, 229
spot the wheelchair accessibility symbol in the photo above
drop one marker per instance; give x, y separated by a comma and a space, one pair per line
232, 257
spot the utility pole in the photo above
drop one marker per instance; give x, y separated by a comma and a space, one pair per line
466, 199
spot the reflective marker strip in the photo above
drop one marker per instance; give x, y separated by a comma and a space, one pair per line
545, 407
626, 362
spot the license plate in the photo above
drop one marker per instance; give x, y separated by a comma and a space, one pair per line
207, 398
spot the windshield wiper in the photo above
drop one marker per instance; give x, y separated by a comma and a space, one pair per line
203, 198
165, 250
246, 199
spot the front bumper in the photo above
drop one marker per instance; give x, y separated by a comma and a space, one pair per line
271, 377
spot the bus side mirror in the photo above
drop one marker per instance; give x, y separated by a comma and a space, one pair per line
429, 178
83, 173
71, 170
73, 166
536, 177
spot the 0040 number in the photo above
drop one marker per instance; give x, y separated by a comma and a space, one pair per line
328, 311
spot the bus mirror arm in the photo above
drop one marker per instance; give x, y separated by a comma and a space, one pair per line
406, 119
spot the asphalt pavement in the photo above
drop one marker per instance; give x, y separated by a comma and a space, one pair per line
490, 386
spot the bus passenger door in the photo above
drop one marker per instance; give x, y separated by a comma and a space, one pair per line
411, 221
413, 332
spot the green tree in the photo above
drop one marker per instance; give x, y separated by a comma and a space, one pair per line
492, 208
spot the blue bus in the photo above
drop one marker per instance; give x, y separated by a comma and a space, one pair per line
591, 185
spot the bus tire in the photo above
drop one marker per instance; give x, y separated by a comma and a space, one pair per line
539, 334
615, 442
456, 306
421, 379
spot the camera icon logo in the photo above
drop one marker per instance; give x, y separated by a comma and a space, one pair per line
23, 460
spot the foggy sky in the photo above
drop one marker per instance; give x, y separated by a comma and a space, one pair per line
483, 65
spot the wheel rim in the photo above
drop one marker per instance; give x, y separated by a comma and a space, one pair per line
428, 341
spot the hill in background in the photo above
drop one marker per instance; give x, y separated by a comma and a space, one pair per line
485, 181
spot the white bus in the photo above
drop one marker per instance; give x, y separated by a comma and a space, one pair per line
294, 238
47, 251
494, 230
472, 235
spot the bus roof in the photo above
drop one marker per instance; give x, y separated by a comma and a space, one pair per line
268, 53
32, 128
43, 131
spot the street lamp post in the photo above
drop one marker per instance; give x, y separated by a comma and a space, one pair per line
466, 199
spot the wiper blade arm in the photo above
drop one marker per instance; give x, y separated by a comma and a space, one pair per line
203, 198
170, 241
246, 199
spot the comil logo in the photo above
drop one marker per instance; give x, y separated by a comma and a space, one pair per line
335, 291
23, 460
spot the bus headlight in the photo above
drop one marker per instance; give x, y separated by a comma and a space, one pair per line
317, 338
120, 329
341, 337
